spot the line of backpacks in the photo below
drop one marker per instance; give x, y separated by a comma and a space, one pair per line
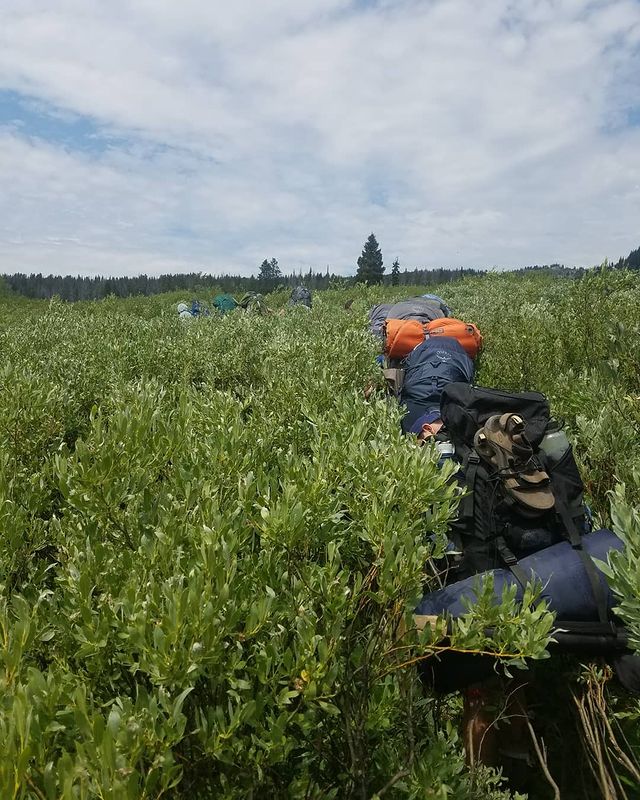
425, 348
513, 456
250, 301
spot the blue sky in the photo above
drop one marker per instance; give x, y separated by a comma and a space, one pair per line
151, 136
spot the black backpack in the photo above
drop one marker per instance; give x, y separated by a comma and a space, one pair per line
492, 530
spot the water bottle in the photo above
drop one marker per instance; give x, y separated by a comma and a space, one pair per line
445, 450
555, 444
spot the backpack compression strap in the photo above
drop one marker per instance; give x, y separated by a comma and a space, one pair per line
574, 539
512, 562
470, 466
576, 543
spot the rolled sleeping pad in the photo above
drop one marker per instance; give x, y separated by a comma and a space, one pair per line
560, 570
568, 592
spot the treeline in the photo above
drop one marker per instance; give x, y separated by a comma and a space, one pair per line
420, 277
97, 287
632, 261
558, 270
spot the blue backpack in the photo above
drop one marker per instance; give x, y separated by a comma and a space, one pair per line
430, 367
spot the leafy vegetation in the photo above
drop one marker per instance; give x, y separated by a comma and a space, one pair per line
212, 543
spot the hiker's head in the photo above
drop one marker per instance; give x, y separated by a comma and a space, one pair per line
427, 425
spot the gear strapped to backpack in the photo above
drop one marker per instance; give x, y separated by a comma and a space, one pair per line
523, 487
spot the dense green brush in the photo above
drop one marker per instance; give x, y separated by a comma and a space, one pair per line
212, 543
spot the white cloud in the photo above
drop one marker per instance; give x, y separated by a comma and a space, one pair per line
462, 133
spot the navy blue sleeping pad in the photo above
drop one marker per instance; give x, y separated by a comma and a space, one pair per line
429, 368
560, 570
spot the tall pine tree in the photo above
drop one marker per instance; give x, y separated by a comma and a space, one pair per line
395, 273
269, 274
370, 267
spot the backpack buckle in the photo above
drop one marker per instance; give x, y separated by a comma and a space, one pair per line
508, 558
474, 458
505, 553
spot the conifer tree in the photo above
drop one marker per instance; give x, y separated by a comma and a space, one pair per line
269, 274
370, 266
395, 273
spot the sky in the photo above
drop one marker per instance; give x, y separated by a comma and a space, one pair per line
150, 136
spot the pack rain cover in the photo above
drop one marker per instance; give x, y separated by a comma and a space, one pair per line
377, 317
417, 308
224, 303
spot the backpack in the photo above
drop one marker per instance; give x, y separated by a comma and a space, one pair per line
465, 332
224, 303
428, 369
419, 308
524, 490
300, 296
377, 318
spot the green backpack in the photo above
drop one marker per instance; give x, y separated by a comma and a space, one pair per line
224, 303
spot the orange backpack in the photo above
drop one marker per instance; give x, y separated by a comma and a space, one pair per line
402, 335
466, 333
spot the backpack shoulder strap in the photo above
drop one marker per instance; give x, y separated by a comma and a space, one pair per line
476, 505
470, 464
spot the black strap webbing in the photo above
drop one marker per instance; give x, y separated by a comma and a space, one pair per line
590, 568
470, 467
511, 561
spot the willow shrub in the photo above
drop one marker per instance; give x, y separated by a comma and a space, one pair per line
212, 543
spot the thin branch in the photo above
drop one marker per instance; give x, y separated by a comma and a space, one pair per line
443, 649
542, 758
392, 781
